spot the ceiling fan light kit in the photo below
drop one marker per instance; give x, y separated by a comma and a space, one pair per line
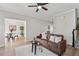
39, 6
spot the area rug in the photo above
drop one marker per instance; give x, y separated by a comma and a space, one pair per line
25, 50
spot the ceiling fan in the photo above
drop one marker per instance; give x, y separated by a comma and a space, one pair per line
39, 6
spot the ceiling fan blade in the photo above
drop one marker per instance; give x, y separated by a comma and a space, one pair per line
37, 10
44, 8
42, 3
45, 3
32, 5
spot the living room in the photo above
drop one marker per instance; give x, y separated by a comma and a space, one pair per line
58, 18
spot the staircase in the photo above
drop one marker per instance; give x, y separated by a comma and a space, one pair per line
76, 43
76, 35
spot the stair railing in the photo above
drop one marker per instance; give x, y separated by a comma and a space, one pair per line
73, 37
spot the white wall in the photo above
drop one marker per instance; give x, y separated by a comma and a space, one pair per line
2, 32
10, 15
64, 23
35, 27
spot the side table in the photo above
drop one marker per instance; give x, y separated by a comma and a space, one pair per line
34, 46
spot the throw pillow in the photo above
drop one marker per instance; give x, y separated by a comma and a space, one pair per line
52, 38
57, 39
43, 36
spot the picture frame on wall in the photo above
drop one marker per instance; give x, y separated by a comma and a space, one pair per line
12, 28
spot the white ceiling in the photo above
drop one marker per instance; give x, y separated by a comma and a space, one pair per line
53, 8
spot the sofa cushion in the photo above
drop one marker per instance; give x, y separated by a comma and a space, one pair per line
52, 38
57, 39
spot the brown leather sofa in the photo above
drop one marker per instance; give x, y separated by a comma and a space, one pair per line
58, 48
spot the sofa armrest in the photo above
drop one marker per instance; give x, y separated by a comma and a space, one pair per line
62, 46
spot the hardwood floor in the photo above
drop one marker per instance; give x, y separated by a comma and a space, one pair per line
9, 49
70, 51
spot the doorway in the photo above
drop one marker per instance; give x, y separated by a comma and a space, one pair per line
15, 32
